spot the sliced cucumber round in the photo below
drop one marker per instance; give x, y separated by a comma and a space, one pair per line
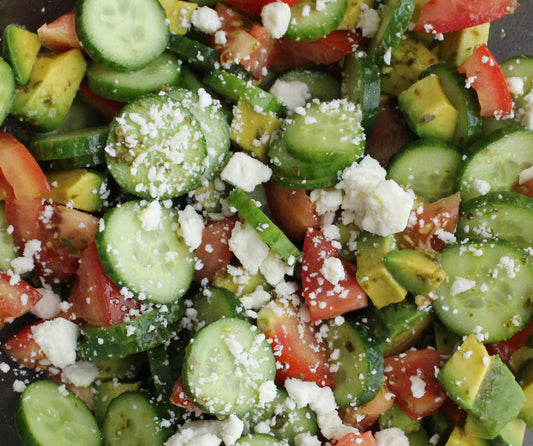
310, 21
126, 86
153, 262
123, 34
428, 166
488, 289
325, 131
322, 85
48, 415
496, 161
359, 373
156, 148
498, 215
260, 440
225, 365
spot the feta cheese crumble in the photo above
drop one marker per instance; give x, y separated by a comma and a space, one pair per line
245, 172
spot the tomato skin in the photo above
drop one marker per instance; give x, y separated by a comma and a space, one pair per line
22, 177
505, 349
214, 252
296, 348
105, 106
488, 81
94, 298
17, 298
352, 439
60, 35
443, 16
364, 417
399, 370
23, 348
292, 209
526, 188
324, 299
180, 398
260, 60
326, 50
424, 232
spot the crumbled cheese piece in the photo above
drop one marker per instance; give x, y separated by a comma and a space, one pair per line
151, 215
333, 270
306, 439
525, 175
25, 263
191, 226
460, 285
257, 299
293, 94
208, 433
248, 247
81, 373
276, 17
245, 172
267, 392
392, 436
274, 268
57, 339
48, 306
18, 386
368, 21
326, 200
515, 85
418, 386
481, 186
220, 38
387, 58
206, 20
387, 209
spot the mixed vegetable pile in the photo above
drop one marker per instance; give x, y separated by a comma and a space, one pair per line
301, 222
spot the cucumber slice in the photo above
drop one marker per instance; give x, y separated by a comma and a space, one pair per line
266, 228
234, 87
124, 87
156, 148
487, 291
498, 215
361, 84
469, 123
49, 415
132, 420
225, 365
497, 160
310, 21
195, 53
153, 263
359, 374
428, 166
298, 183
395, 17
124, 34
522, 67
260, 440
84, 144
322, 86
214, 302
7, 89
325, 132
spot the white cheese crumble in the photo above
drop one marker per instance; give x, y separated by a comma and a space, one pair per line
248, 247
293, 94
460, 285
515, 85
206, 20
81, 373
418, 386
208, 433
48, 306
392, 436
333, 270
276, 17
150, 216
481, 186
57, 339
191, 226
368, 21
245, 172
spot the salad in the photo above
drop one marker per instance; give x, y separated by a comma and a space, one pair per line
267, 223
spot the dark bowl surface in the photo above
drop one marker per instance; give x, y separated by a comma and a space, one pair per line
510, 36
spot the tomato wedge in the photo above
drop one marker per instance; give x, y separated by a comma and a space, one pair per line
60, 35
506, 348
324, 298
292, 209
94, 297
17, 297
180, 398
444, 16
255, 7
486, 77
23, 348
352, 439
411, 378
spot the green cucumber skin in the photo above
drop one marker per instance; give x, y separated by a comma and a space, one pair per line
497, 215
497, 159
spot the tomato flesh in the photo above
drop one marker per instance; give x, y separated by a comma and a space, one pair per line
23, 348
60, 35
17, 297
352, 439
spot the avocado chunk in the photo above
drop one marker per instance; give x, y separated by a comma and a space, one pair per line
54, 80
239, 281
20, 50
525, 377
457, 46
512, 434
409, 60
251, 128
484, 386
7, 89
414, 271
399, 326
83, 189
396, 417
353, 12
372, 274
427, 109
179, 15
459, 437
